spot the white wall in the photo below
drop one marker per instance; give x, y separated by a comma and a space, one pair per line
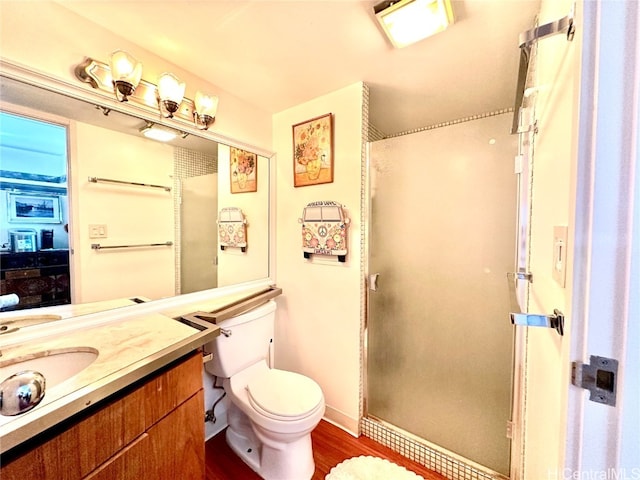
133, 215
318, 318
548, 363
48, 38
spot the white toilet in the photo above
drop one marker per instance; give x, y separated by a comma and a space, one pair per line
272, 412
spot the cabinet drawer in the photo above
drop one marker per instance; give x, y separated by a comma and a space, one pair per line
164, 393
18, 260
53, 258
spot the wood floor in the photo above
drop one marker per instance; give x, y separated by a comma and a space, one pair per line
331, 445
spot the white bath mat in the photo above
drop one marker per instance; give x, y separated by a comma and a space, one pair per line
370, 468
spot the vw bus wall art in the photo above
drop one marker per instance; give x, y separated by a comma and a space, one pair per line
324, 230
232, 228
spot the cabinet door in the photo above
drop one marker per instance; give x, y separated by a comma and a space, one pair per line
177, 443
70, 453
129, 464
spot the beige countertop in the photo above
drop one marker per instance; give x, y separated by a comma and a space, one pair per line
29, 317
132, 342
127, 351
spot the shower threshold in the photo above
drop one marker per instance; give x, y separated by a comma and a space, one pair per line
435, 458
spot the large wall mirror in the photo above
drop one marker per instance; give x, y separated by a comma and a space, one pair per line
93, 211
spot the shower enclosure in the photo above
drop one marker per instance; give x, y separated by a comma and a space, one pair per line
442, 237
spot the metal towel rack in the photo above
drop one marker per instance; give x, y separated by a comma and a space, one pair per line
122, 182
235, 308
555, 321
97, 246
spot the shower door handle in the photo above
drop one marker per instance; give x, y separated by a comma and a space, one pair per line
518, 317
373, 282
512, 278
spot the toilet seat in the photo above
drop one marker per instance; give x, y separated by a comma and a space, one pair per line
284, 395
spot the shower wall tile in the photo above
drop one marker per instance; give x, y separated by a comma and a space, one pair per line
453, 122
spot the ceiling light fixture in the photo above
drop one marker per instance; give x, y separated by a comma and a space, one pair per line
158, 132
123, 77
408, 21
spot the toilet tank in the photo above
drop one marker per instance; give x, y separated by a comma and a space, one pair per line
247, 340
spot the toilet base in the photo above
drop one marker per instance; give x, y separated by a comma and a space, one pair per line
289, 461
247, 448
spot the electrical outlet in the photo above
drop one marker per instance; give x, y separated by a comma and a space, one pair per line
98, 230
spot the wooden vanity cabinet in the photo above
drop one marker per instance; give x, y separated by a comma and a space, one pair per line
154, 430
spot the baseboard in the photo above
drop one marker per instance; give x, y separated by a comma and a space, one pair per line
342, 420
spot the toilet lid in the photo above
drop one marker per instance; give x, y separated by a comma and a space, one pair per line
285, 394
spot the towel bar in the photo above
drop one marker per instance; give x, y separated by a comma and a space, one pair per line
122, 182
235, 308
97, 246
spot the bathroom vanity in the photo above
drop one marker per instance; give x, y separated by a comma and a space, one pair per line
152, 429
132, 407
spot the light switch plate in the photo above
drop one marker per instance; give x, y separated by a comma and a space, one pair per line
560, 254
98, 230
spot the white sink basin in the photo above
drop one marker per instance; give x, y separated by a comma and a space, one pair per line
56, 365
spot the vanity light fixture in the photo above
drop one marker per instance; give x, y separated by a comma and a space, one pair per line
204, 113
123, 76
408, 21
126, 73
170, 94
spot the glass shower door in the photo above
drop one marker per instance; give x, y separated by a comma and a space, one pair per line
199, 233
442, 239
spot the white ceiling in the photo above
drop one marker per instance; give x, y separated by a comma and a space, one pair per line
276, 54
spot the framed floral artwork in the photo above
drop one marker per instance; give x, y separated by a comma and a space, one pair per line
313, 151
244, 171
